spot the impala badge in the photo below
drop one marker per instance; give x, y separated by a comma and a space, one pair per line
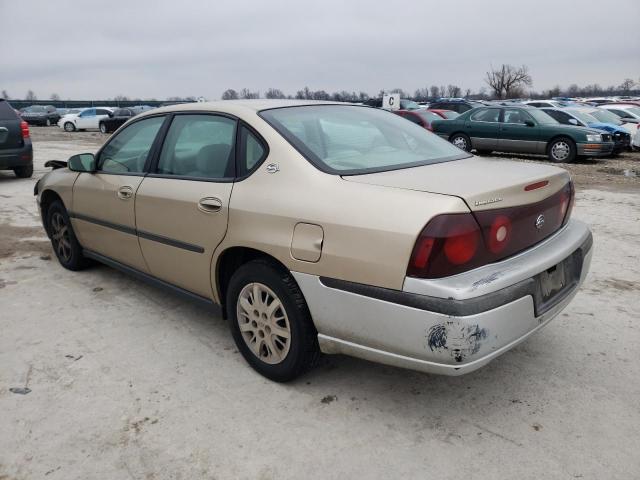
273, 168
539, 222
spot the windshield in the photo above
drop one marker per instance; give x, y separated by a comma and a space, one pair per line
540, 116
584, 117
634, 110
607, 117
349, 139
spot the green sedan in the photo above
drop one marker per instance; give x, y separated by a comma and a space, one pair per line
522, 130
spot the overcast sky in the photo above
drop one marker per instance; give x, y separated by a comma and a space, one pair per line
156, 49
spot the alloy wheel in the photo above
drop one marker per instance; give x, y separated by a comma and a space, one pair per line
60, 237
560, 151
263, 323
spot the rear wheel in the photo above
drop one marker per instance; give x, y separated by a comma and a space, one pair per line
23, 172
103, 128
562, 150
270, 321
69, 127
63, 239
461, 141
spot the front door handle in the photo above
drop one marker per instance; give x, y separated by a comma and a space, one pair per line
210, 204
125, 193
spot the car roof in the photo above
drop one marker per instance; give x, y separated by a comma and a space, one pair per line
241, 106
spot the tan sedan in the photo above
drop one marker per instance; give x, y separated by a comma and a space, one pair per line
321, 227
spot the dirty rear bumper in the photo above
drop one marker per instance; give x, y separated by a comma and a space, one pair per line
448, 326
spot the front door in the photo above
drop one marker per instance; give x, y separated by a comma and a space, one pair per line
182, 207
482, 127
516, 135
103, 208
86, 119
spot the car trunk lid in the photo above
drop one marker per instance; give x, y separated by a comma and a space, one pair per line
484, 184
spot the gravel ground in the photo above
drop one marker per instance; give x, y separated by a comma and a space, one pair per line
126, 381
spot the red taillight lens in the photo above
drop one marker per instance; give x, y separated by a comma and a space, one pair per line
24, 127
455, 243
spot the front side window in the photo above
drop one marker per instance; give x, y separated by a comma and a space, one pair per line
350, 140
199, 146
486, 115
127, 152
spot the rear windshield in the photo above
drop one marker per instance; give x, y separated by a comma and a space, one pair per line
450, 114
345, 139
6, 112
34, 109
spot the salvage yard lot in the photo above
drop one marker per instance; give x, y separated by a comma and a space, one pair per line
127, 381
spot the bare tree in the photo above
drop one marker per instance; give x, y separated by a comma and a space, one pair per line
121, 98
31, 96
433, 90
573, 90
55, 97
627, 85
468, 93
5, 95
443, 91
274, 93
230, 94
400, 91
248, 94
363, 96
453, 90
506, 79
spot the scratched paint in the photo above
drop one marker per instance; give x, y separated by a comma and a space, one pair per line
460, 340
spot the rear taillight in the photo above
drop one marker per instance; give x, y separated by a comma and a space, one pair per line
24, 127
454, 243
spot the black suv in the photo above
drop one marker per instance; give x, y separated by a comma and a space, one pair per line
44, 115
459, 106
16, 152
117, 118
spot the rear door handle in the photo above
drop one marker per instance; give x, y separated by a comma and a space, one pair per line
210, 204
125, 193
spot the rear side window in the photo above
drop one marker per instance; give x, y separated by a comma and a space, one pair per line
252, 151
199, 146
486, 115
350, 140
6, 112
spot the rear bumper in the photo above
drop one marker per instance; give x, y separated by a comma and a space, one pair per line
595, 149
16, 157
447, 326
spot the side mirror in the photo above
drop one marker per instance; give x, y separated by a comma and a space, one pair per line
84, 162
573, 121
529, 123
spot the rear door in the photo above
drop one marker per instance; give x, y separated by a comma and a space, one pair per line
182, 206
516, 135
482, 127
103, 206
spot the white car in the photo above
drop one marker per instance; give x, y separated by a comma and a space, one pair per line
547, 103
87, 119
630, 114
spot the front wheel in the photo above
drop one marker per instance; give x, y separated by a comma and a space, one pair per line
63, 239
270, 321
562, 150
69, 127
461, 141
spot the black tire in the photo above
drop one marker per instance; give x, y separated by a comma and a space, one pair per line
484, 152
23, 172
65, 244
303, 350
69, 127
461, 141
103, 128
562, 150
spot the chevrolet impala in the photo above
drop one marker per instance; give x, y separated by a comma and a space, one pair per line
323, 227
